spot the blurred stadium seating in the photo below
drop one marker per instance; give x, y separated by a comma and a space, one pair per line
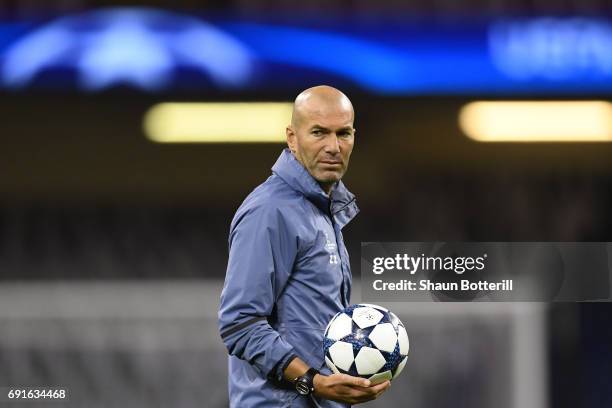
88, 241
147, 344
113, 248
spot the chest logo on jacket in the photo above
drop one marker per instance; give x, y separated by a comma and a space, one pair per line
330, 247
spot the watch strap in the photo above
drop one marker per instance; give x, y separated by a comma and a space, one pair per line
306, 380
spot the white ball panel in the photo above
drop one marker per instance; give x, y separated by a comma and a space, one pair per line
400, 367
384, 337
381, 377
369, 361
340, 327
331, 366
402, 338
341, 354
366, 316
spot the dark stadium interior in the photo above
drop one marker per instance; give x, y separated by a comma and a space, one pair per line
85, 197
80, 178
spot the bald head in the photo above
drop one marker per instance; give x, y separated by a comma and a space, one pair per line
320, 101
321, 134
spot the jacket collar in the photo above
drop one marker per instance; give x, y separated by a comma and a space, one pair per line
342, 204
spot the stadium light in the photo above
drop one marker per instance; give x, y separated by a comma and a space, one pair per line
257, 122
537, 121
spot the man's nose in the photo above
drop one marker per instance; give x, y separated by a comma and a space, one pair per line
332, 146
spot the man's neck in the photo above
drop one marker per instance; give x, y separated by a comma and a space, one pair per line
328, 188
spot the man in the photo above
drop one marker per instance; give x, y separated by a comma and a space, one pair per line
288, 272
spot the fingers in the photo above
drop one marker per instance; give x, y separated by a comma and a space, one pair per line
349, 380
375, 391
355, 389
358, 395
359, 382
381, 387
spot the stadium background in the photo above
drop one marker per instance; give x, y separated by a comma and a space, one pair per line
113, 248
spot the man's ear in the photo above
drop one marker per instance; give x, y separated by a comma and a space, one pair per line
291, 139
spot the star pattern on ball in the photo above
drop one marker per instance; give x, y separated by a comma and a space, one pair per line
368, 341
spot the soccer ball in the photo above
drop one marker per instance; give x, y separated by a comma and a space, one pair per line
366, 341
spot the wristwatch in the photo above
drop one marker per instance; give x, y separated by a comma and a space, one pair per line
304, 383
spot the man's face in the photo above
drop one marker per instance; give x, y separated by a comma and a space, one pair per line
323, 141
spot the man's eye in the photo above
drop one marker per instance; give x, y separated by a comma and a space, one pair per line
317, 132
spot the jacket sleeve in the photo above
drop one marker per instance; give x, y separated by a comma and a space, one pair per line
262, 250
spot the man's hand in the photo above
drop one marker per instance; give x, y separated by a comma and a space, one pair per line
348, 389
338, 387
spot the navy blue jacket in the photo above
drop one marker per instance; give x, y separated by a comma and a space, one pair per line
288, 274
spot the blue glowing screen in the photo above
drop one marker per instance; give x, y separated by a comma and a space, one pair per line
159, 51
